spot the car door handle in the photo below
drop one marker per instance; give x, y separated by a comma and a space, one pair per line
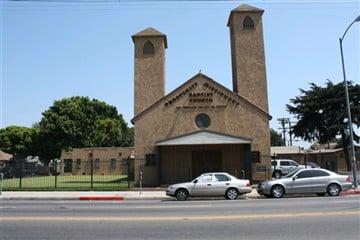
227, 183
209, 184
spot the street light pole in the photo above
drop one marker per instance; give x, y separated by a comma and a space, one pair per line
353, 158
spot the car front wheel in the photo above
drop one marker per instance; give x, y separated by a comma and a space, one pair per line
277, 191
181, 194
231, 194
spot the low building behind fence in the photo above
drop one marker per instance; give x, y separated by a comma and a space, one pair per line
77, 169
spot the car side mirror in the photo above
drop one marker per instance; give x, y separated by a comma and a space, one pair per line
294, 177
195, 181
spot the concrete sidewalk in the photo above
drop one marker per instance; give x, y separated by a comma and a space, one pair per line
146, 194
86, 195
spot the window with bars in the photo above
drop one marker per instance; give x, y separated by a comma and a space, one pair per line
113, 163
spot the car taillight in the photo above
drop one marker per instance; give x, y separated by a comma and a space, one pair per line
248, 184
348, 179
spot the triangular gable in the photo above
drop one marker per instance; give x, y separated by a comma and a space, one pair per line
203, 137
186, 87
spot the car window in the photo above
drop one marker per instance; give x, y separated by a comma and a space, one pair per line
205, 178
291, 174
304, 174
293, 164
319, 173
221, 177
284, 163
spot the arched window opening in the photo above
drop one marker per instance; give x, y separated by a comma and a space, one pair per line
248, 23
148, 48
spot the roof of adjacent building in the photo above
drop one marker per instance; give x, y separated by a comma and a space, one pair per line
326, 151
5, 156
298, 150
286, 150
203, 137
150, 32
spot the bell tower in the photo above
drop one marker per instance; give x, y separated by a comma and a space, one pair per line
149, 73
248, 55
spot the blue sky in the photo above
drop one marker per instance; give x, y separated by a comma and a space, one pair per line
55, 50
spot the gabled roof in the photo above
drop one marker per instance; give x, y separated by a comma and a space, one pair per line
189, 82
203, 137
150, 32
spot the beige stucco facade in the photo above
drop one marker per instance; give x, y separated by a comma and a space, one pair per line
241, 113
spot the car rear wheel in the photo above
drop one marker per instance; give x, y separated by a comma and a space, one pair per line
231, 194
181, 194
333, 190
277, 191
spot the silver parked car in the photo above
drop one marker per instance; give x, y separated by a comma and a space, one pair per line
319, 181
282, 167
210, 184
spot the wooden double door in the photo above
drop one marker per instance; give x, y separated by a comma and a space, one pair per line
204, 161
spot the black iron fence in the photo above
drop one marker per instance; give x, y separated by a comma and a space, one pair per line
69, 175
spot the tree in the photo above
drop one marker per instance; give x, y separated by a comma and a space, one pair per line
321, 114
21, 141
78, 122
276, 138
129, 137
108, 132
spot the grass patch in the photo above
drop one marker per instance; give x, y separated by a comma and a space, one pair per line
67, 183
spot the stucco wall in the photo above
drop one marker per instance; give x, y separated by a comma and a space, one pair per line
165, 121
104, 154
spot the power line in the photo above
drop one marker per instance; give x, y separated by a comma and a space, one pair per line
116, 1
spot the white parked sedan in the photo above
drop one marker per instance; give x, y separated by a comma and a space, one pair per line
210, 184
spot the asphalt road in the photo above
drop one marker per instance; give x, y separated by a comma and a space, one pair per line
289, 218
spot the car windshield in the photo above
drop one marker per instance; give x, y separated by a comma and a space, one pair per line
291, 174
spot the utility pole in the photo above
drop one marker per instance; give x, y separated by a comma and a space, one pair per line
351, 137
283, 122
290, 133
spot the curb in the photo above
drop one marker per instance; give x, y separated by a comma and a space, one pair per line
350, 192
40, 198
101, 198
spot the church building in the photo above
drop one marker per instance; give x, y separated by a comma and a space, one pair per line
202, 126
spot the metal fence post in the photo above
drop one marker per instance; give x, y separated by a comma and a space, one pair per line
140, 180
56, 173
21, 172
91, 173
1, 182
274, 161
128, 172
